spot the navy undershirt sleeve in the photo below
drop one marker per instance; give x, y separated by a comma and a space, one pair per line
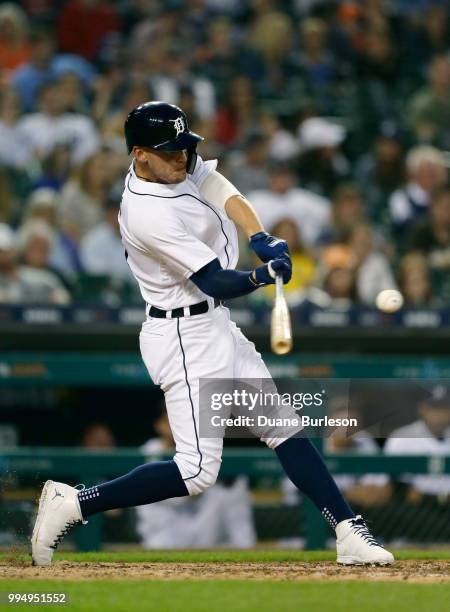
222, 284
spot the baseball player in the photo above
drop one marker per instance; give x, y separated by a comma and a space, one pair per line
178, 221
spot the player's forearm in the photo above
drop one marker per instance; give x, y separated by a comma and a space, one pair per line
244, 215
222, 284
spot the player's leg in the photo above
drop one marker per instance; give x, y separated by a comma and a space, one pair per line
177, 353
295, 453
305, 467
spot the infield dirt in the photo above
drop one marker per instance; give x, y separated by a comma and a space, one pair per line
412, 571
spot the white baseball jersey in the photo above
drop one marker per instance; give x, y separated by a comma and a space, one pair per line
169, 232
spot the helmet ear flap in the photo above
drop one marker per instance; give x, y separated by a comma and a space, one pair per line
191, 160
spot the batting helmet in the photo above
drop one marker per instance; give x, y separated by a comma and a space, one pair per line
163, 127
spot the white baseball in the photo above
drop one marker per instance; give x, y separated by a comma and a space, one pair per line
389, 300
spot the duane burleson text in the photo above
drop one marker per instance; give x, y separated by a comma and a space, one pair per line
264, 421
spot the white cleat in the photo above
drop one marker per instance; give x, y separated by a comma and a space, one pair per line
59, 510
356, 545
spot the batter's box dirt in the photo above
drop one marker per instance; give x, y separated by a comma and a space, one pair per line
410, 571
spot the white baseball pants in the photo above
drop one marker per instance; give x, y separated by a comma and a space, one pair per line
177, 353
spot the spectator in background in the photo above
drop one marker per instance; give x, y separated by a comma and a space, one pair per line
101, 249
111, 123
55, 169
373, 271
223, 55
72, 92
222, 515
339, 284
283, 146
272, 35
84, 25
414, 281
42, 206
20, 155
174, 75
237, 114
347, 211
35, 241
426, 170
9, 284
380, 89
315, 65
30, 77
283, 199
27, 284
14, 46
53, 125
248, 167
81, 75
98, 436
369, 490
111, 85
83, 197
431, 236
431, 36
429, 435
429, 109
7, 200
149, 20
381, 171
321, 164
347, 36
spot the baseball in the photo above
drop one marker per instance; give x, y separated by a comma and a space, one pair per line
389, 300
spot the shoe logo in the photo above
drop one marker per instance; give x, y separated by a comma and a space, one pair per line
57, 494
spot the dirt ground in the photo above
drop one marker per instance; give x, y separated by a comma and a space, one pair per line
412, 571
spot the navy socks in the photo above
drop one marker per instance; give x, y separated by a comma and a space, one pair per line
307, 470
145, 484
160, 480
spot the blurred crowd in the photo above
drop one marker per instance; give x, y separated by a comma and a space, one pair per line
332, 117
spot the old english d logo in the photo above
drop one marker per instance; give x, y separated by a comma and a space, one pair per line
178, 124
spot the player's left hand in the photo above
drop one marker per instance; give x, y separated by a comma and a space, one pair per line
265, 275
268, 247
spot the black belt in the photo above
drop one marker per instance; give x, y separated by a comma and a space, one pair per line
176, 313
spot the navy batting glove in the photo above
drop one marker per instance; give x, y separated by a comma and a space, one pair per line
268, 247
265, 275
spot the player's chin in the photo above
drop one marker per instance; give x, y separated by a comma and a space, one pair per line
179, 176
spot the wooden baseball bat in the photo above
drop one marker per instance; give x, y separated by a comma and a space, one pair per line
280, 327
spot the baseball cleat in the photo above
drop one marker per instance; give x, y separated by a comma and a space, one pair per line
59, 510
356, 545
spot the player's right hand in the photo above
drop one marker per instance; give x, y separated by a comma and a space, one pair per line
265, 275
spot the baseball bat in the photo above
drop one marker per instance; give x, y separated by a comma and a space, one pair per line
280, 327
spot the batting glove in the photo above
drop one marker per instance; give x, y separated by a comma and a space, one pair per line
265, 275
268, 247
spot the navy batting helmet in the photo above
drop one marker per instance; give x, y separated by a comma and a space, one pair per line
163, 127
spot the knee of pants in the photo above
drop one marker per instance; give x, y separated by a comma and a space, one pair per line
273, 443
200, 475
